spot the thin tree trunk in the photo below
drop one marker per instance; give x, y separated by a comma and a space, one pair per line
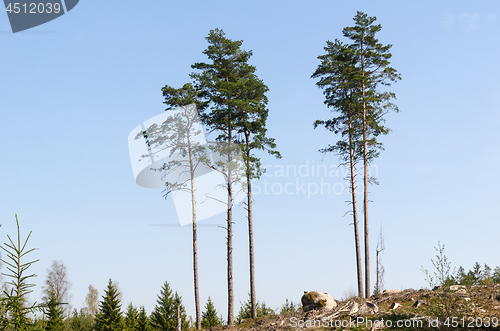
365, 184
230, 295
355, 214
250, 229
195, 249
365, 205
195, 268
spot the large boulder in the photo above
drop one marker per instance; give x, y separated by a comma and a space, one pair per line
317, 300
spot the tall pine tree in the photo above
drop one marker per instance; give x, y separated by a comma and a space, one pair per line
184, 141
109, 316
372, 61
251, 127
164, 315
220, 82
336, 72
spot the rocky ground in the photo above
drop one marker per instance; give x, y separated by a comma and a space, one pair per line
452, 308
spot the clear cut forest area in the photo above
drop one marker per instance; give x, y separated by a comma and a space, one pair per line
355, 75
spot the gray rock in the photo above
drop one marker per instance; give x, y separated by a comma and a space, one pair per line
367, 308
317, 300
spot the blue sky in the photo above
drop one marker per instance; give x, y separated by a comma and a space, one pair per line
74, 88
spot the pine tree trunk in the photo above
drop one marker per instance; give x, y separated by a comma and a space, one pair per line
195, 249
355, 215
230, 295
250, 229
365, 207
365, 184
195, 269
195, 265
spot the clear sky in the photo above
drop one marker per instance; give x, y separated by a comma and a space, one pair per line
73, 89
